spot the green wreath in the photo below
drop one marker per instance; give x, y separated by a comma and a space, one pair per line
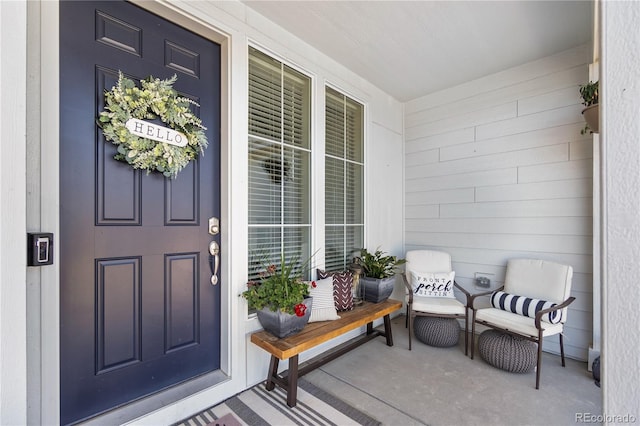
156, 99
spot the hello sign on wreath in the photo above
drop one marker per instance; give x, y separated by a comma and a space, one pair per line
130, 121
146, 129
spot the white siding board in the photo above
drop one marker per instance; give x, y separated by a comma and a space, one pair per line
545, 119
576, 343
577, 318
544, 66
582, 281
465, 195
571, 352
551, 100
473, 118
523, 225
420, 158
575, 339
455, 137
495, 260
463, 180
583, 303
519, 141
580, 150
572, 188
569, 244
573, 207
556, 171
422, 211
543, 86
525, 157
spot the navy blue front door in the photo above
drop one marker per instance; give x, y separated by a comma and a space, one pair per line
138, 312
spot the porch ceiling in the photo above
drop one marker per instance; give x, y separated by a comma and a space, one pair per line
413, 48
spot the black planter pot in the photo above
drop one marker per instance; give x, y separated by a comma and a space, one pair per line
282, 324
595, 369
377, 290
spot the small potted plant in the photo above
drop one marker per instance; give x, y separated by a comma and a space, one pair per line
379, 271
591, 114
281, 297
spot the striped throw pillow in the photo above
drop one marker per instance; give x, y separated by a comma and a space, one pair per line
525, 306
342, 288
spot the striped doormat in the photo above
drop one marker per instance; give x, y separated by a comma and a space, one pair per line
257, 407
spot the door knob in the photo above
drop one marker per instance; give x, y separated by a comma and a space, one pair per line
214, 261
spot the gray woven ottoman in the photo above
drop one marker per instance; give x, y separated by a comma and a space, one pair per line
507, 352
440, 332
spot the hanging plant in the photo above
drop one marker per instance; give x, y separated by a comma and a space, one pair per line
589, 94
127, 121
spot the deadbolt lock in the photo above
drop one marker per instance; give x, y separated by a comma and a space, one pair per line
214, 226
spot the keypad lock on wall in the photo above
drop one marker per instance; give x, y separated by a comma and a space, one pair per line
39, 249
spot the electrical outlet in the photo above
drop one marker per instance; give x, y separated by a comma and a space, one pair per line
483, 279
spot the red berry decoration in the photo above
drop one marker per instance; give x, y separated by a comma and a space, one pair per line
313, 284
300, 308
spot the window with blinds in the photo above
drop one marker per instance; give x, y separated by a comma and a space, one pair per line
279, 163
344, 179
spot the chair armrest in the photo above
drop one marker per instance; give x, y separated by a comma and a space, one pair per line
473, 297
408, 286
542, 312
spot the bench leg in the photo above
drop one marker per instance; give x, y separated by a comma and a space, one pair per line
291, 379
273, 372
292, 382
387, 330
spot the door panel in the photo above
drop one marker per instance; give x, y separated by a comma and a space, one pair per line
138, 313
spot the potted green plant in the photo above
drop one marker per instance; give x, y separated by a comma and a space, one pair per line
591, 114
281, 297
379, 269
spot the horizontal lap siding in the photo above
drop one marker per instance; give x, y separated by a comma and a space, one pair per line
497, 169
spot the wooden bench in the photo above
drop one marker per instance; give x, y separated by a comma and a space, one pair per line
316, 333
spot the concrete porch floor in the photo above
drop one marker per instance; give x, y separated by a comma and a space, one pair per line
441, 386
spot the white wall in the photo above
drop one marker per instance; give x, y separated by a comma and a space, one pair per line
497, 168
384, 205
13, 286
620, 136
